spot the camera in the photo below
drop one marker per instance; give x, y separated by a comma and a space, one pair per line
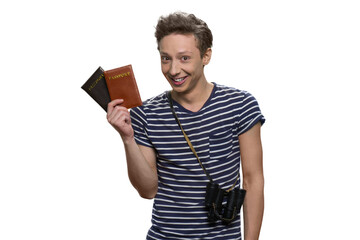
214, 203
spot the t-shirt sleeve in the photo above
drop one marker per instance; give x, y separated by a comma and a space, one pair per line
139, 124
249, 113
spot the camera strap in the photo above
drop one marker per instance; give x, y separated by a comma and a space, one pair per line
186, 137
191, 146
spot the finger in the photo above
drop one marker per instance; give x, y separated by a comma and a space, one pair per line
127, 118
115, 116
117, 112
119, 121
113, 103
122, 120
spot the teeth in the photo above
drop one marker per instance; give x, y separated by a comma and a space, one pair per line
178, 79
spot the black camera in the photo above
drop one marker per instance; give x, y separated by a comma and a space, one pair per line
214, 202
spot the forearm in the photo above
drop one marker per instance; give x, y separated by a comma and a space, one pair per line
141, 161
253, 207
142, 175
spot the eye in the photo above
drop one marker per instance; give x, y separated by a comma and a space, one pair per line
165, 58
185, 58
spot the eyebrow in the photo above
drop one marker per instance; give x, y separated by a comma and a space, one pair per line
184, 52
179, 53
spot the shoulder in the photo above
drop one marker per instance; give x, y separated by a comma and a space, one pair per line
226, 93
243, 105
155, 104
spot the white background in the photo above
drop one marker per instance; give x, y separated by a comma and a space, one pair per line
62, 171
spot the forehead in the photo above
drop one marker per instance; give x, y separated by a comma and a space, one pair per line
174, 43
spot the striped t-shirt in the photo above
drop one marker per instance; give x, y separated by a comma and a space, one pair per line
179, 211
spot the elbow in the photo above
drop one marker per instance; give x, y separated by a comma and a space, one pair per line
147, 196
150, 194
254, 182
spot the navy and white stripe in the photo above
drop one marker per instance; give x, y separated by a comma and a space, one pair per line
178, 210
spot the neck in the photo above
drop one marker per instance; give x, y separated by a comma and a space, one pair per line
196, 98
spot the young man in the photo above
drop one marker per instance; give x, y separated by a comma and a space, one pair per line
222, 124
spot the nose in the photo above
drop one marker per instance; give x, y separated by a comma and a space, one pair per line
174, 69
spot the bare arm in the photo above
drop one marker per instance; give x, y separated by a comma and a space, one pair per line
141, 160
253, 182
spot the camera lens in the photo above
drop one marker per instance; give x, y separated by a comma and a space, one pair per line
240, 199
211, 193
231, 204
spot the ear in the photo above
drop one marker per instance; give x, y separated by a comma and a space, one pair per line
207, 56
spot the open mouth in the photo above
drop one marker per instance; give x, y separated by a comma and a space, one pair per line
179, 81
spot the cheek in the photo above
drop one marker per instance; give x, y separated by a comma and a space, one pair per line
196, 70
164, 69
189, 69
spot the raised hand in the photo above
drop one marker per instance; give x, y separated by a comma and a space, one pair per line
119, 117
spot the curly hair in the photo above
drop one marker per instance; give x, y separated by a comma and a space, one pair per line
184, 23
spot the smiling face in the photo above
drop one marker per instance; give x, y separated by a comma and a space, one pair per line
181, 62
